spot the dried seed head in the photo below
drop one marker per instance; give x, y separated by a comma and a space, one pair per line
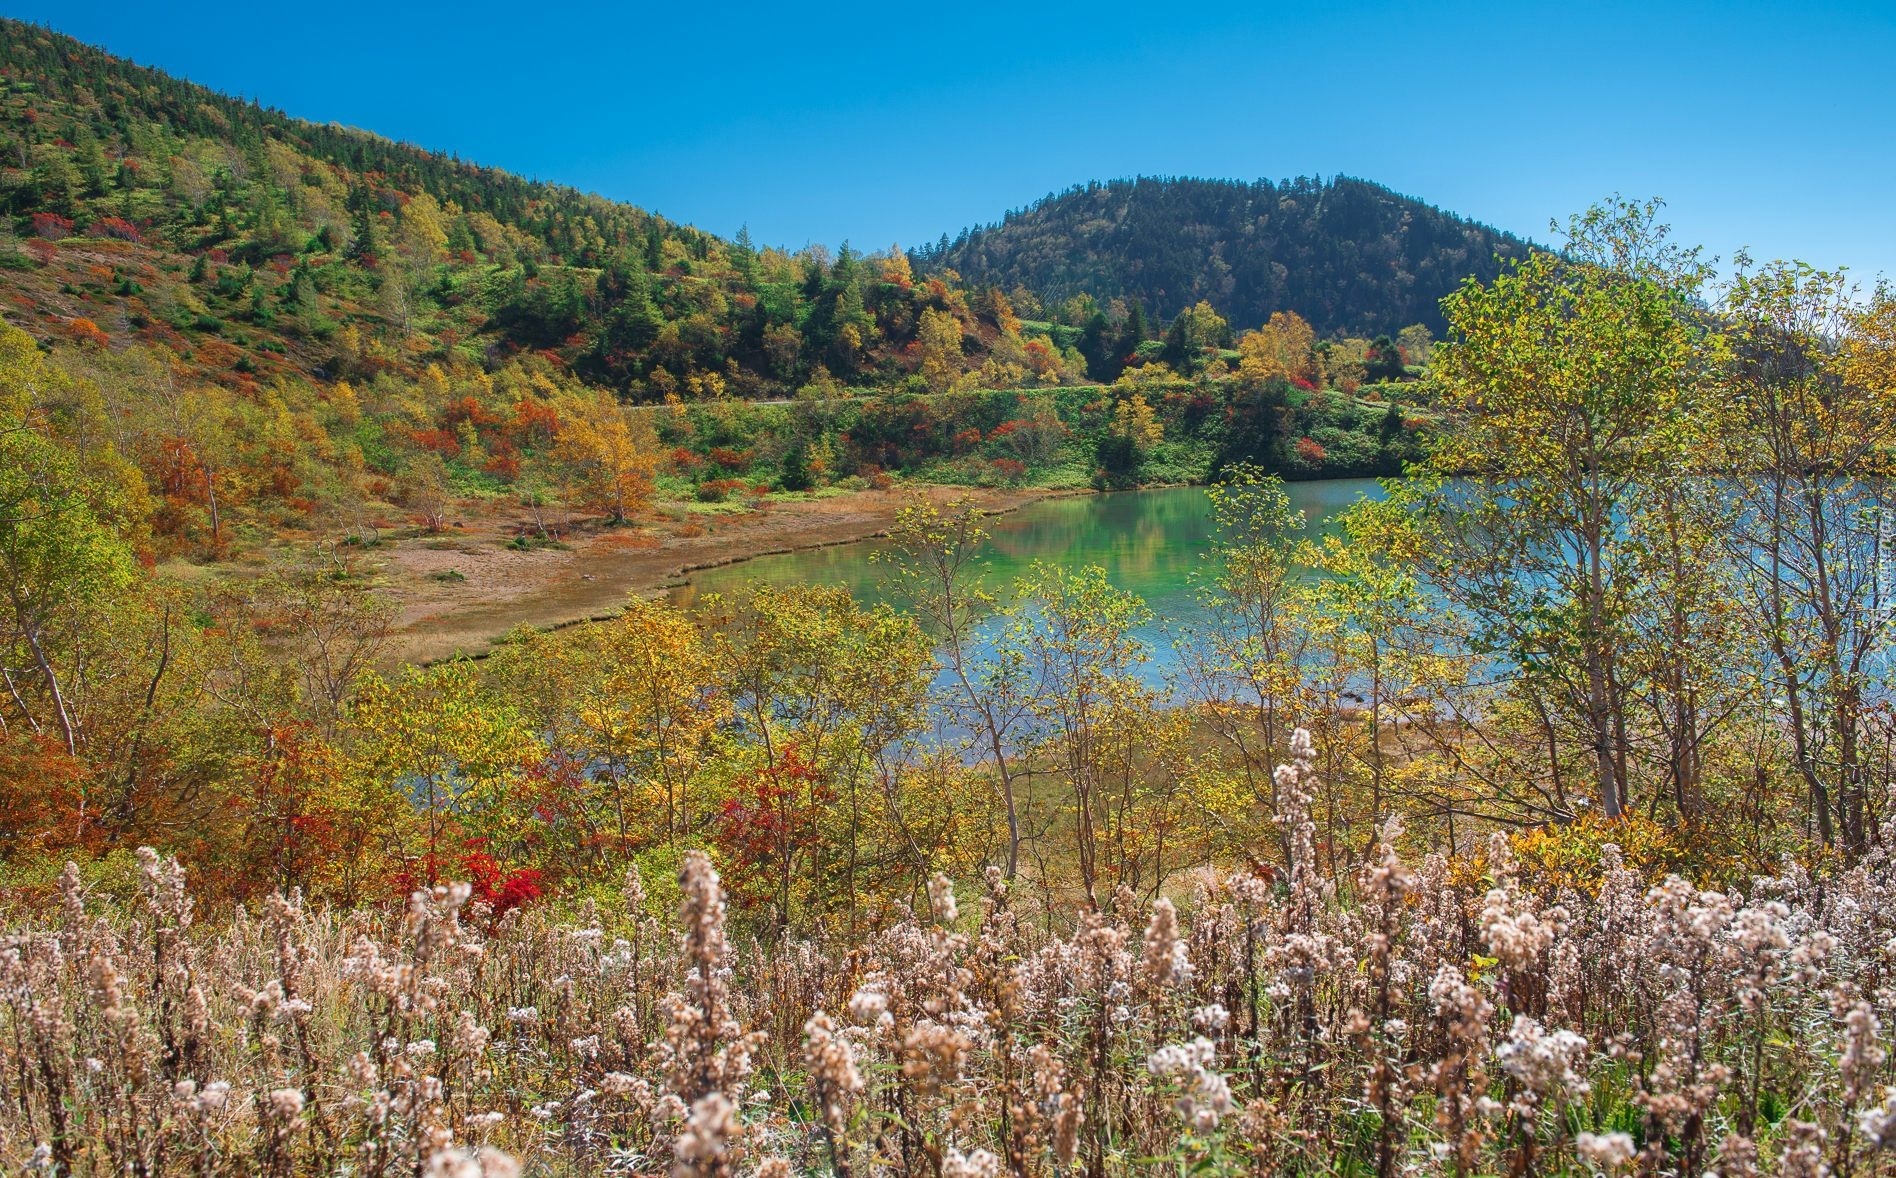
1608, 1151
710, 1131
471, 1163
941, 898
285, 1104
979, 1164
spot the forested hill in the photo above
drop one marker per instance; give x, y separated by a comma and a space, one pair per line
147, 211
1348, 255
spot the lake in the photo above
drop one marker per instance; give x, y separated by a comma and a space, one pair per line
1151, 543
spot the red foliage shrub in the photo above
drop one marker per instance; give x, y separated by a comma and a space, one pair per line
442, 441
117, 227
1311, 452
499, 888
85, 331
718, 490
51, 226
769, 819
535, 423
469, 409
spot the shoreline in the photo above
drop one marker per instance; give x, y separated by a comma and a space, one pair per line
458, 592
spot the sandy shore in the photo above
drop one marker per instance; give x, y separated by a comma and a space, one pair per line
456, 592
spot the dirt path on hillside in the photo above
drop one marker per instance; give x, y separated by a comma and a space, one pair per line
456, 592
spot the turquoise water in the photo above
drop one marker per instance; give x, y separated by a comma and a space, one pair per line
1152, 543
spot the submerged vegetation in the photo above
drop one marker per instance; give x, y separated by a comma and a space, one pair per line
1537, 819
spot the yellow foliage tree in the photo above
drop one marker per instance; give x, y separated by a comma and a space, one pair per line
1134, 420
456, 754
1279, 349
941, 350
611, 457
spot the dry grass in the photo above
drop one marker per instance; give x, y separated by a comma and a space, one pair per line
1391, 1022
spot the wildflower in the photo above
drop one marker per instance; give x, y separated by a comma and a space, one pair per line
941, 898
1878, 1123
1512, 925
832, 1065
1862, 1056
1546, 1064
932, 1055
617, 1084
470, 1038
1210, 1019
709, 1133
979, 1164
869, 1006
1803, 1152
1206, 1096
1165, 961
1608, 1151
467, 1163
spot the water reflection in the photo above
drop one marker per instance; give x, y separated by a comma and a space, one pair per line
1152, 543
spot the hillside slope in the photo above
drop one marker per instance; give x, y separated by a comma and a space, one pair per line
1346, 254
251, 244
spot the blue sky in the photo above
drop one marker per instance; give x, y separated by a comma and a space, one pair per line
1771, 126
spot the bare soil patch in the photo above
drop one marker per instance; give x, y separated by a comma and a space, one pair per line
458, 591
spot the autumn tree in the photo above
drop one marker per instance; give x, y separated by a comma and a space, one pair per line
1130, 436
1075, 635
330, 624
1282, 348
638, 699
1813, 381
1417, 344
1196, 331
426, 490
940, 339
61, 560
456, 753
826, 692
1570, 378
611, 456
932, 566
1385, 634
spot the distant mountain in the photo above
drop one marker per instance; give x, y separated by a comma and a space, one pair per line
1346, 254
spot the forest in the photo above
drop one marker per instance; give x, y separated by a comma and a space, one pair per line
1536, 818
1349, 255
